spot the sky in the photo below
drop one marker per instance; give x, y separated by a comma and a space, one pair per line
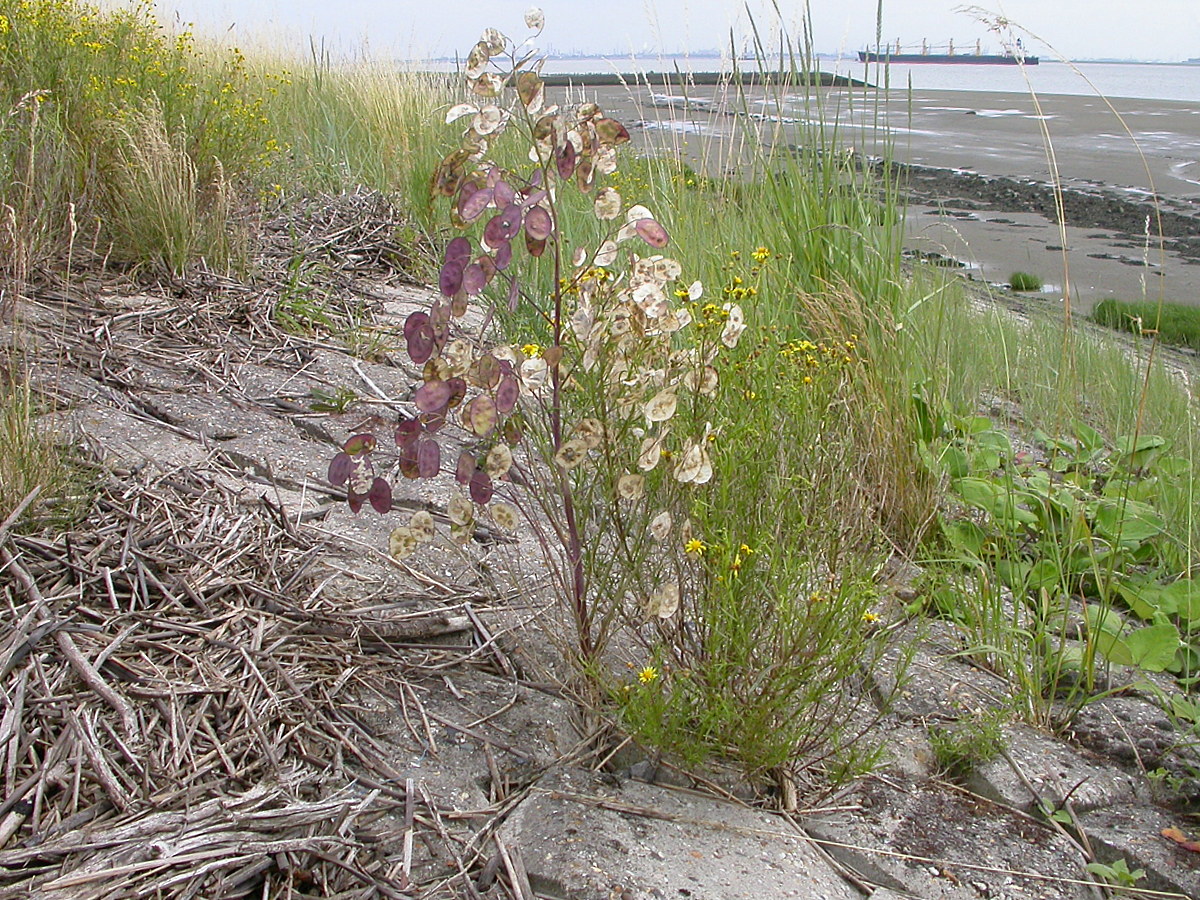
1167, 30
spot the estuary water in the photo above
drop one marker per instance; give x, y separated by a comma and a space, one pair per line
1148, 81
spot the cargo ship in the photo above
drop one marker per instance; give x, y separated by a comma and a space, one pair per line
896, 54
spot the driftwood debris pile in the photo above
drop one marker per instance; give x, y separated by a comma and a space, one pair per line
185, 708
176, 725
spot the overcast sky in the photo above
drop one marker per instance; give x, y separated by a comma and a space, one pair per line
1122, 29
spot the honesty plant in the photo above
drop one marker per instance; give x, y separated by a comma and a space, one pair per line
617, 368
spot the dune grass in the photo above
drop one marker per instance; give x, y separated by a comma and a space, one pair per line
1176, 324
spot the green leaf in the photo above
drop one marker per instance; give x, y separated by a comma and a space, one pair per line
1089, 438
1138, 452
978, 492
966, 537
955, 462
1173, 466
995, 441
1009, 511
1145, 600
1185, 709
1128, 521
985, 460
1182, 598
1153, 647
1044, 573
1113, 649
1013, 574
1103, 618
929, 425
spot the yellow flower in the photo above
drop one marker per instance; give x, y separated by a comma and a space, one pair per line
869, 618
761, 254
531, 350
694, 547
744, 550
648, 674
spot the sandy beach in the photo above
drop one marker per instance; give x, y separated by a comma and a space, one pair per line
979, 175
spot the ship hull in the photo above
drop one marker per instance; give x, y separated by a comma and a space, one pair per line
960, 59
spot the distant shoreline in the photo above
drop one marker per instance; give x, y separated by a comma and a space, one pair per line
681, 79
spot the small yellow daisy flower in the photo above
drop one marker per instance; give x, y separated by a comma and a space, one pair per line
694, 547
761, 254
869, 618
648, 674
531, 350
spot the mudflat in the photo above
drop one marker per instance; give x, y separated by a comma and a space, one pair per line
980, 171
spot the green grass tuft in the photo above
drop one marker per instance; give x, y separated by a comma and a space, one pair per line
1024, 281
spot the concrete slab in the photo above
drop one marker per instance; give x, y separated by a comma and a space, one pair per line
927, 840
1052, 769
936, 685
1134, 834
585, 838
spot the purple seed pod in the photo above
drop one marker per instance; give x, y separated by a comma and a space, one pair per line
340, 468
504, 194
413, 322
465, 469
472, 206
409, 466
458, 250
432, 395
489, 268
651, 232
380, 496
480, 415
474, 280
421, 344
512, 433
359, 443
481, 487
450, 278
507, 393
534, 247
434, 420
504, 254
429, 458
566, 161
407, 431
538, 223
487, 371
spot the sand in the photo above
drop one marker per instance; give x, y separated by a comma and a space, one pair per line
980, 183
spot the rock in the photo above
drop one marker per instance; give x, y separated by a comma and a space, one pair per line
582, 838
